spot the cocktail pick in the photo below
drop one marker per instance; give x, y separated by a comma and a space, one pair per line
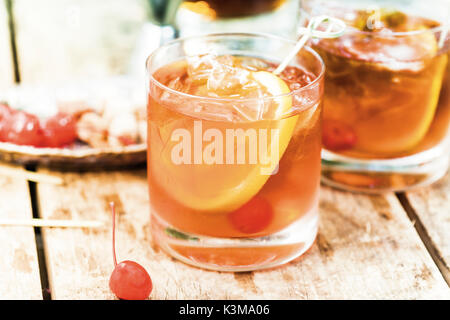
51, 223
443, 35
335, 28
21, 173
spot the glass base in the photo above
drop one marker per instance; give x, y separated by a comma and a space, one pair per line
237, 254
383, 175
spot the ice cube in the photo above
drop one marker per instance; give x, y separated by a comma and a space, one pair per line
222, 75
213, 76
200, 66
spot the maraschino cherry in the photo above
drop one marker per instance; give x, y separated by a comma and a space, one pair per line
129, 280
252, 217
337, 136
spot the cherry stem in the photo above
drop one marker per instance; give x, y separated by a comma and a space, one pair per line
113, 209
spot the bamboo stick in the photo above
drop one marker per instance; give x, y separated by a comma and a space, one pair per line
51, 223
21, 173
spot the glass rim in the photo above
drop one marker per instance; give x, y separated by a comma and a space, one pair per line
310, 85
350, 29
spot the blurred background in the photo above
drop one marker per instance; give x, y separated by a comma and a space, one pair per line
51, 41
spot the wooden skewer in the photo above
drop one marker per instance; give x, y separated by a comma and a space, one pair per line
51, 223
443, 36
21, 173
312, 30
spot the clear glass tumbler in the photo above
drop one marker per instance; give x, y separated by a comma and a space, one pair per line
234, 150
386, 104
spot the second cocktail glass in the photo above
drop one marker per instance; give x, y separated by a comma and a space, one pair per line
386, 105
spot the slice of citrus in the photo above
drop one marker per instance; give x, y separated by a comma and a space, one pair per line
223, 187
411, 126
412, 101
431, 103
427, 47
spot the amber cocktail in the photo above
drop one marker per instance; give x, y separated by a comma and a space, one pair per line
234, 150
386, 106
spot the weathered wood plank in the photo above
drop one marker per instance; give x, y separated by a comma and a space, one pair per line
19, 268
432, 206
6, 64
367, 248
76, 39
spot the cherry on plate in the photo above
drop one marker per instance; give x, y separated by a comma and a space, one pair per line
22, 128
59, 130
5, 114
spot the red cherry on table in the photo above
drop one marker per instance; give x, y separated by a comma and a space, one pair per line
59, 130
252, 217
129, 280
22, 128
337, 136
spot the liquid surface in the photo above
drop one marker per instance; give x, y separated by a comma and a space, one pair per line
233, 78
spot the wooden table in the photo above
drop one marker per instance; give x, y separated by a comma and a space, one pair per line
392, 246
370, 247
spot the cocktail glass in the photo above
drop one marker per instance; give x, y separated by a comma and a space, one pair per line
234, 150
386, 104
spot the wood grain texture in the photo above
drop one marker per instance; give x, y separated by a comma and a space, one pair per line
6, 64
61, 40
367, 248
19, 269
432, 206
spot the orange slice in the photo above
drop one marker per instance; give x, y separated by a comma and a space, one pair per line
224, 187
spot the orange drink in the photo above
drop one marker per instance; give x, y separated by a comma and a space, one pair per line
234, 150
385, 126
